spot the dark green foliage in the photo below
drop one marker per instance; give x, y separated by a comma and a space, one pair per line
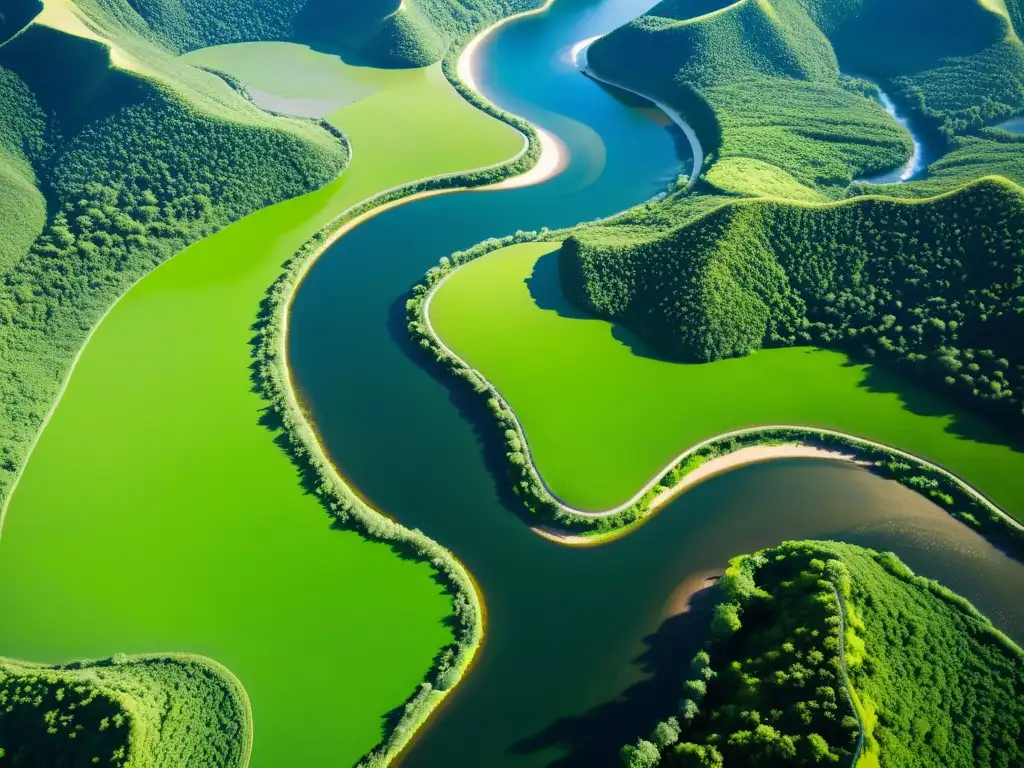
935, 285
22, 206
144, 712
944, 686
770, 686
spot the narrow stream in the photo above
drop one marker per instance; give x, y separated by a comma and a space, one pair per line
584, 648
916, 165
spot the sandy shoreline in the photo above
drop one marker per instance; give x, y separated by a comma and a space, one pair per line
554, 155
579, 58
681, 599
754, 454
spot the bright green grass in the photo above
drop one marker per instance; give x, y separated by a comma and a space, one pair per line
602, 420
745, 175
157, 515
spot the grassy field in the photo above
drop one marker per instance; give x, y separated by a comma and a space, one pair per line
157, 514
603, 417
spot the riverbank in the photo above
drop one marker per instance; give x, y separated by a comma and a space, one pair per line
567, 524
578, 54
233, 455
755, 454
536, 162
554, 155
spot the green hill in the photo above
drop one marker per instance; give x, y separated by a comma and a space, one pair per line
761, 79
933, 683
376, 32
138, 712
934, 285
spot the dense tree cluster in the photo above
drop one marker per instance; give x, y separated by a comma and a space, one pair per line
22, 132
771, 687
935, 285
127, 711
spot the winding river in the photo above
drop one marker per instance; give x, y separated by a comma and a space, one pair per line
584, 647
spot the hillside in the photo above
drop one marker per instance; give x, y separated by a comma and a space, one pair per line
137, 712
794, 623
932, 285
761, 80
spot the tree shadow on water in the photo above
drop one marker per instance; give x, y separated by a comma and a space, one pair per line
471, 407
593, 739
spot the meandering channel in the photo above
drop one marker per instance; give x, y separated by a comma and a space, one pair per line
916, 165
581, 651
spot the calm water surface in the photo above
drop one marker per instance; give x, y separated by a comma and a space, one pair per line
582, 651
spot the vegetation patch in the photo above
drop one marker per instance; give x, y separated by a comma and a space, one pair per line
130, 711
822, 653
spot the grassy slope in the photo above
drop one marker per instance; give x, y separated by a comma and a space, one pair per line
613, 416
181, 487
771, 80
142, 712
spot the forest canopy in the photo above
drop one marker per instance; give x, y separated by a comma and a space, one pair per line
136, 712
795, 626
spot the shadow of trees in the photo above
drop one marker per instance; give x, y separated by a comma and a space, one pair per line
593, 739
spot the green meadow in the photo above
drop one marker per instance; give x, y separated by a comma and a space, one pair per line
156, 514
603, 416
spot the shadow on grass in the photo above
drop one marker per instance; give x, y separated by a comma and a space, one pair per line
545, 288
915, 397
594, 738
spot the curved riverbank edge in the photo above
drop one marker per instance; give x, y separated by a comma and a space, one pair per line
274, 381
566, 524
275, 385
579, 56
226, 676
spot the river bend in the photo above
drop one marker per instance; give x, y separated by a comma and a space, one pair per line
584, 647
